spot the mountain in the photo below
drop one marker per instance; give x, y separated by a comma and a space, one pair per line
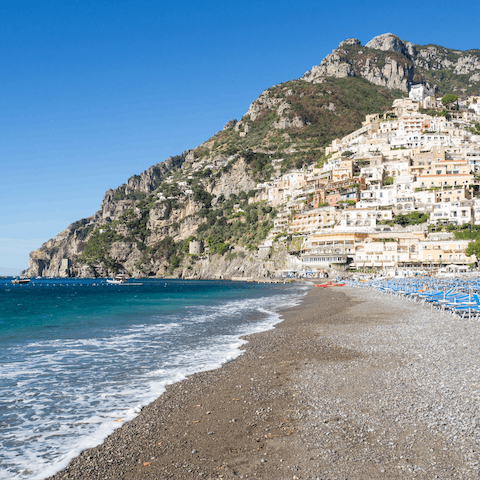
211, 194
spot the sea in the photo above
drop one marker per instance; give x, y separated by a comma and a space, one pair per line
80, 357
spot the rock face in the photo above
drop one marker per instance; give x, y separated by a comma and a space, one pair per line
388, 42
69, 244
349, 41
262, 102
230, 124
236, 181
388, 61
350, 59
58, 256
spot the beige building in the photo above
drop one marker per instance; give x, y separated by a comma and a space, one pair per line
444, 252
446, 173
323, 250
388, 249
426, 156
362, 218
313, 220
343, 171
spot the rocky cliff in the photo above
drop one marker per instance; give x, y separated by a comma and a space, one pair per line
396, 64
144, 226
209, 194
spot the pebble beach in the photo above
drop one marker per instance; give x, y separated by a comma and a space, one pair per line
352, 384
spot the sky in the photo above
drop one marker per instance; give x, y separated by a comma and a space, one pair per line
93, 92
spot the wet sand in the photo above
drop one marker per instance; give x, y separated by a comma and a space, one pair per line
266, 415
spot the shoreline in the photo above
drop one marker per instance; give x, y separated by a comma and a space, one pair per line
301, 401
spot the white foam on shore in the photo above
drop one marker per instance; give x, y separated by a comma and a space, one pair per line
64, 396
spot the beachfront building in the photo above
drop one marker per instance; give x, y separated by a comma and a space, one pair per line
387, 249
383, 250
444, 252
324, 249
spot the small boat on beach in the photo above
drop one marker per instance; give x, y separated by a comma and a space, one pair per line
329, 284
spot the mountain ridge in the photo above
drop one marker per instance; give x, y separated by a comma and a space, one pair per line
388, 61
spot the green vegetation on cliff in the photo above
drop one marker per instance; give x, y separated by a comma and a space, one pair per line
229, 223
325, 111
97, 249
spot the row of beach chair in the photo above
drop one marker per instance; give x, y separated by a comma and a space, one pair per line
457, 296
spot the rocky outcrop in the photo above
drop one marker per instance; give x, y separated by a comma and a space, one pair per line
287, 122
49, 259
230, 124
264, 101
392, 74
333, 65
388, 42
235, 181
391, 70
390, 62
349, 41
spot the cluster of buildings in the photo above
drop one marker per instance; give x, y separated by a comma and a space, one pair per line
409, 159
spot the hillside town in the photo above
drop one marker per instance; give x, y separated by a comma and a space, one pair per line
390, 194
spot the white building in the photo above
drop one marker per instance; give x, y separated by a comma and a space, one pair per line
362, 219
457, 213
419, 93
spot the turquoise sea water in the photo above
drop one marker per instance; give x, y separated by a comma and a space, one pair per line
76, 355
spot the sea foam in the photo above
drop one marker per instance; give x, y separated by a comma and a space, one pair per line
63, 395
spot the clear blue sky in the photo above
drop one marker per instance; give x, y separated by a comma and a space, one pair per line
93, 92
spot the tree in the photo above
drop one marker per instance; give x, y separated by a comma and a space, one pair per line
473, 248
216, 244
448, 99
388, 181
413, 218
